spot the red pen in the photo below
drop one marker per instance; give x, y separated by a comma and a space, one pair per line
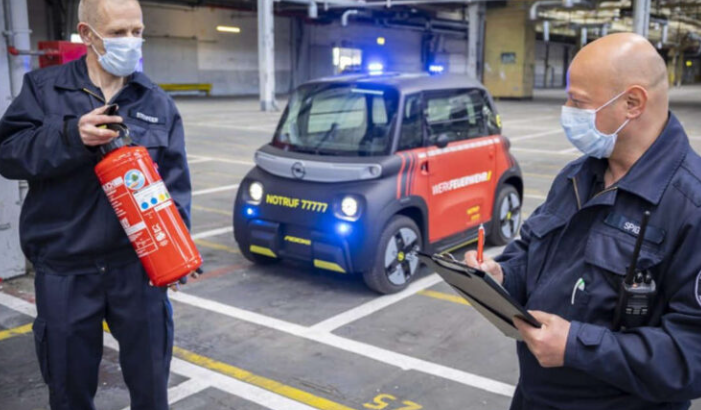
480, 244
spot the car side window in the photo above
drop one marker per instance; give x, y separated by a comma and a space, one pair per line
411, 135
459, 115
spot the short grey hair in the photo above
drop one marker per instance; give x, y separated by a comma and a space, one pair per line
88, 11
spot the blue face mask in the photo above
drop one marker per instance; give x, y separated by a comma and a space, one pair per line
122, 54
580, 127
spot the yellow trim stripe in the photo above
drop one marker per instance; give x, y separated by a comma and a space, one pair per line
318, 263
444, 296
16, 331
217, 246
262, 251
471, 241
259, 381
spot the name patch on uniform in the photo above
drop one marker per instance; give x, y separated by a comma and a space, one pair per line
145, 117
632, 227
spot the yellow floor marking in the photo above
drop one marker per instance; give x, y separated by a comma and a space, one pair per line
213, 210
250, 378
259, 381
444, 296
16, 331
217, 246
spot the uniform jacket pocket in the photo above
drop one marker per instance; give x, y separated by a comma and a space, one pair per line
154, 139
544, 229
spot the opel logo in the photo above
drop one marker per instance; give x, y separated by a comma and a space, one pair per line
298, 170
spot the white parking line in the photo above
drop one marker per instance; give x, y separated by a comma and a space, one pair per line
349, 316
572, 150
543, 152
183, 390
199, 160
202, 158
379, 354
536, 135
533, 196
216, 189
191, 371
319, 333
508, 123
367, 309
213, 232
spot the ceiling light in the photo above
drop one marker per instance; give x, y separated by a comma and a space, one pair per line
229, 29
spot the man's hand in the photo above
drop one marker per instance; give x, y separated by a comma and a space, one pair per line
547, 343
90, 133
489, 265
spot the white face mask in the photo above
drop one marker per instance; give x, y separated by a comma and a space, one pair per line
122, 54
580, 127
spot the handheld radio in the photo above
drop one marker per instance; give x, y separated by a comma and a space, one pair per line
638, 290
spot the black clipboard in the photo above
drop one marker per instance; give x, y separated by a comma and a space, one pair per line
484, 293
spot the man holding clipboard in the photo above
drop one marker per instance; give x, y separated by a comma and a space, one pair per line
610, 265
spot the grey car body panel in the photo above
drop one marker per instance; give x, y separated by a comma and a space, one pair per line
316, 171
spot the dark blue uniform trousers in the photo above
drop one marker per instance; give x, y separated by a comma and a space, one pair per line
68, 333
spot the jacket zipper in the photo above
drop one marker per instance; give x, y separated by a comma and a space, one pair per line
576, 193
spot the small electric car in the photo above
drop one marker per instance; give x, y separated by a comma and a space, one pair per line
365, 169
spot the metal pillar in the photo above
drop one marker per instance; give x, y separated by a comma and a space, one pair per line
266, 55
17, 23
12, 262
475, 39
641, 17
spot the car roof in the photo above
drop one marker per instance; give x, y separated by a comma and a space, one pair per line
406, 83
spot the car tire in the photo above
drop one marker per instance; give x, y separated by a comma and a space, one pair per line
506, 217
256, 258
394, 266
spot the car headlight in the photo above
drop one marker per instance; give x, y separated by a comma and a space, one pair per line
349, 206
255, 191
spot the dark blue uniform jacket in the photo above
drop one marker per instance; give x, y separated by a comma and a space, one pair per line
66, 219
583, 232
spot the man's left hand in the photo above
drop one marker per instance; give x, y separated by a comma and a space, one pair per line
547, 343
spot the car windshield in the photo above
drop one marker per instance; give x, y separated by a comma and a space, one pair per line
338, 119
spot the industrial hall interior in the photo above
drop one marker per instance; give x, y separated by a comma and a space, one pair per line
350, 204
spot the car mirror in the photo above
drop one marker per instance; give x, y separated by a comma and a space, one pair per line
442, 140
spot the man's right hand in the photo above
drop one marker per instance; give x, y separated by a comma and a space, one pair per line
90, 133
489, 265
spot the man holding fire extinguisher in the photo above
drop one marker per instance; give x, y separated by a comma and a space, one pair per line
86, 269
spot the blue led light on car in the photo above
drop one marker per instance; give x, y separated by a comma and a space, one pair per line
343, 228
250, 211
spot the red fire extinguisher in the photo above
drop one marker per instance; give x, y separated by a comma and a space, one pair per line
146, 211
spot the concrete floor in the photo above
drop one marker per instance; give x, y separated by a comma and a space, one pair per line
287, 338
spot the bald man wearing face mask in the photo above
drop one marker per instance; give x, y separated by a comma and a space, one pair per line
86, 268
568, 266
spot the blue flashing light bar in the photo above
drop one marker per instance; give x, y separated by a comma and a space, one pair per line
436, 69
376, 68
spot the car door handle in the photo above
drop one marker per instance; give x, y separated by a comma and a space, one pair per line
424, 167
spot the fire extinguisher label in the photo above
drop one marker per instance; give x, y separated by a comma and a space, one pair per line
152, 196
112, 185
134, 179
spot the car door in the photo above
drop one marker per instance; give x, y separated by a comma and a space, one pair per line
460, 176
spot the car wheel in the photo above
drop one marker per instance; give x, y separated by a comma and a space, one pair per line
255, 257
506, 218
395, 263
